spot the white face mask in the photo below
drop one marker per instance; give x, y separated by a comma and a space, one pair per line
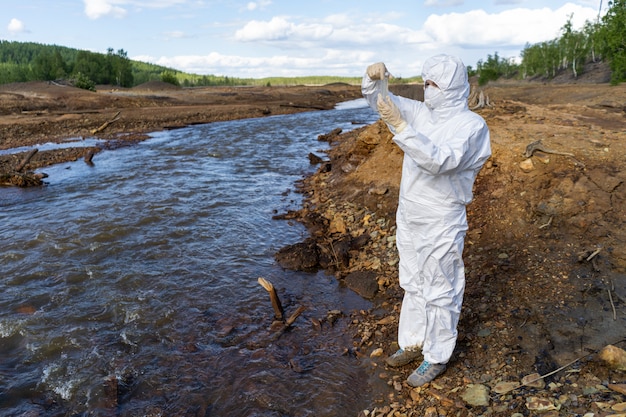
433, 97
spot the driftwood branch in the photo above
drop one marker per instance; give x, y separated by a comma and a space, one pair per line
289, 322
106, 124
538, 146
26, 159
278, 308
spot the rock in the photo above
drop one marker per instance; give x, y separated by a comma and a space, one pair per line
376, 353
533, 381
337, 225
620, 407
476, 395
484, 332
541, 404
527, 165
328, 137
431, 412
621, 388
503, 387
378, 190
314, 159
363, 283
386, 320
302, 256
614, 357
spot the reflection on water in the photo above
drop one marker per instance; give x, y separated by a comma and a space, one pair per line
130, 287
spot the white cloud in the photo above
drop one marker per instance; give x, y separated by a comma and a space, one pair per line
275, 29
16, 26
332, 32
256, 5
289, 34
332, 62
442, 3
95, 9
510, 27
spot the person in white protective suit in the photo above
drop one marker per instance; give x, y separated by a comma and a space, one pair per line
445, 145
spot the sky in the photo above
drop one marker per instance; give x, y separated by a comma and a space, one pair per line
289, 38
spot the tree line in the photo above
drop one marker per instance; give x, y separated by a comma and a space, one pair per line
29, 61
603, 40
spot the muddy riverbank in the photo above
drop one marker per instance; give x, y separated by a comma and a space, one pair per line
545, 257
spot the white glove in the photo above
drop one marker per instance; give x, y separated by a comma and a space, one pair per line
390, 113
377, 71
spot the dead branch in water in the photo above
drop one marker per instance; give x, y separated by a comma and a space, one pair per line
278, 308
289, 322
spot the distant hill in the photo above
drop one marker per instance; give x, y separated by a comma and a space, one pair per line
29, 61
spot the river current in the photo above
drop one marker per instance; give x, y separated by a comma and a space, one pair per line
130, 287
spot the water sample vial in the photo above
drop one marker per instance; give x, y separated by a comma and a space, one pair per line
384, 86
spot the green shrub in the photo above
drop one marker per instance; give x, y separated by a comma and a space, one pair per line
168, 77
80, 80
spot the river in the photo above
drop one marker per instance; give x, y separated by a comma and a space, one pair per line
130, 287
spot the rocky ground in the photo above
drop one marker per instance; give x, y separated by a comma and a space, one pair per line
545, 258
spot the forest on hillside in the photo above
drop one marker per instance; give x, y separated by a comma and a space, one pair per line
602, 40
29, 61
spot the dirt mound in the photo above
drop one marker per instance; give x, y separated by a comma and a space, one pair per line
545, 259
156, 86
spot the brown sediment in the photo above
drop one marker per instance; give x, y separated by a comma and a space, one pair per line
544, 256
545, 259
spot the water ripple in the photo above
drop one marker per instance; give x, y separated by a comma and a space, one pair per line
131, 286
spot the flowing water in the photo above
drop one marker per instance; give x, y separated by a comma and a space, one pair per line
130, 287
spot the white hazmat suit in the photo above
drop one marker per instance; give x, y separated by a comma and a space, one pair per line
445, 145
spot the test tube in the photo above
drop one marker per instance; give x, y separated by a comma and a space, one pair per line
384, 85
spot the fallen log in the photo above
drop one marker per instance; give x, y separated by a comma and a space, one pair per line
106, 124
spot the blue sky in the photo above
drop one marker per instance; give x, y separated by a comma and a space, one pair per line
262, 38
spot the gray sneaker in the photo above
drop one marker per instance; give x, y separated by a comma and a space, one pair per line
402, 357
425, 373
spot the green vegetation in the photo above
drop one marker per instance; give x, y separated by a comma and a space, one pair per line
26, 61
599, 41
612, 36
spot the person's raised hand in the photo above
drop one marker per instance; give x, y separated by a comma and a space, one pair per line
377, 71
390, 113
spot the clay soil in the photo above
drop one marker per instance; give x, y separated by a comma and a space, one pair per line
545, 258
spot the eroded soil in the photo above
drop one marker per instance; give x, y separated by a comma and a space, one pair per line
545, 257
